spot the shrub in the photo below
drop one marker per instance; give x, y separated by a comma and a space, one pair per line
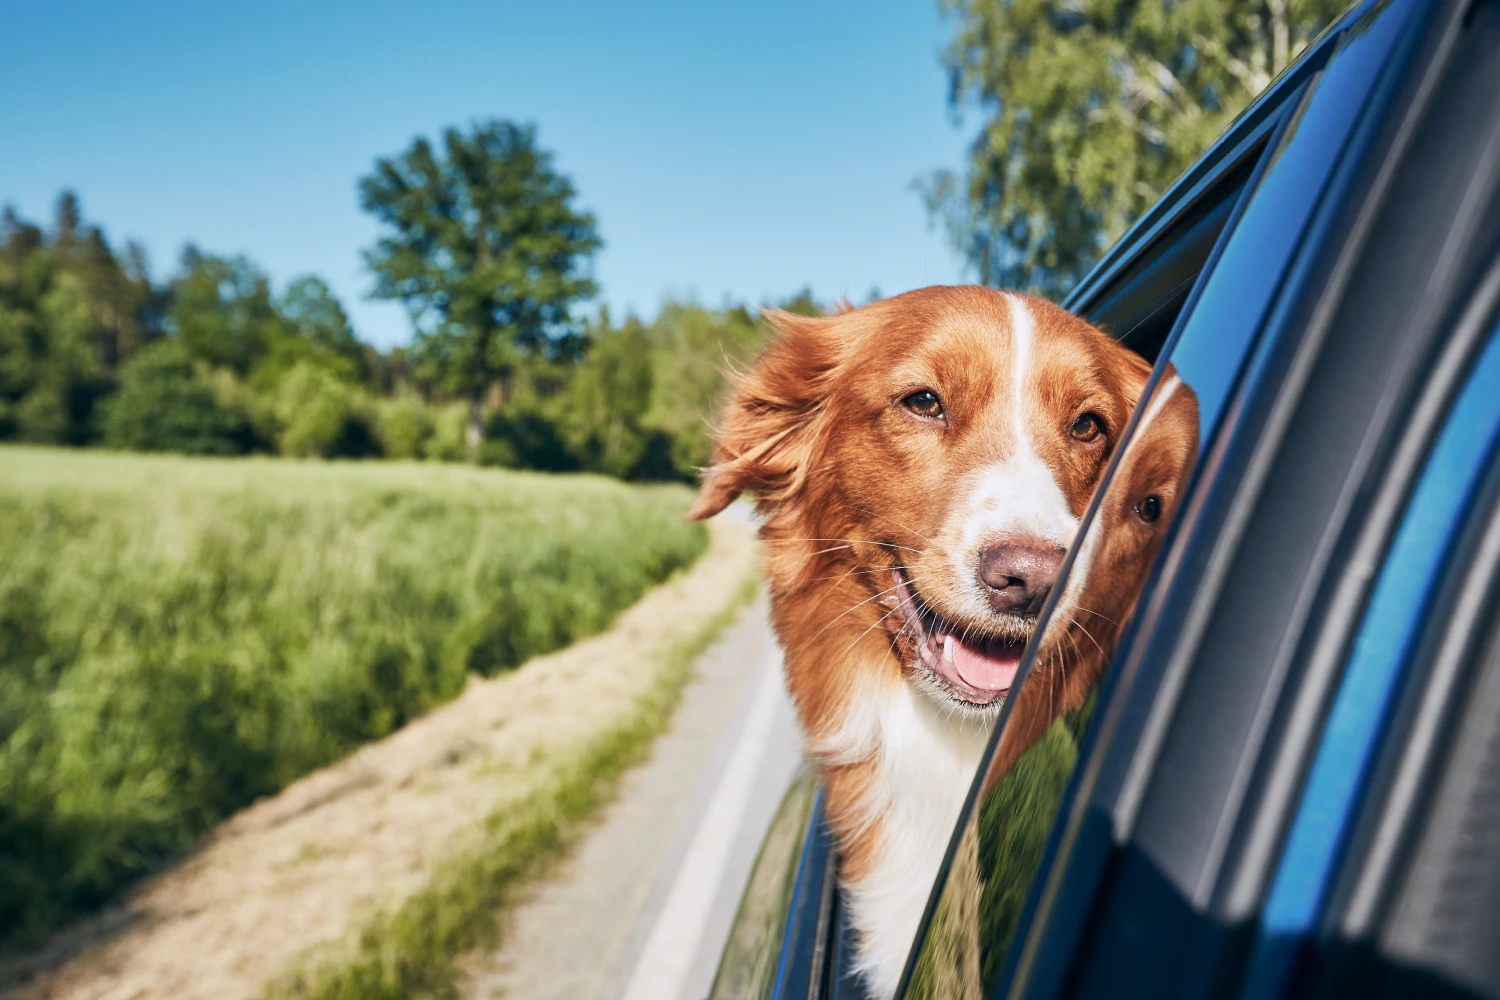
525, 438
403, 425
321, 416
447, 441
163, 405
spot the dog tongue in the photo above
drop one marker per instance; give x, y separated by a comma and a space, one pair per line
984, 672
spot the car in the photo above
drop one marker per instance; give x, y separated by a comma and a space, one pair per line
1287, 783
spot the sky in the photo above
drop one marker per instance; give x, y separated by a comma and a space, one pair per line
730, 150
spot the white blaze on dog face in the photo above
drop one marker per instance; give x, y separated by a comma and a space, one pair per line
1018, 498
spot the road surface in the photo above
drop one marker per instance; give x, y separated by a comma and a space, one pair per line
643, 907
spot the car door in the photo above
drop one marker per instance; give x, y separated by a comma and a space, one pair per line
1136, 850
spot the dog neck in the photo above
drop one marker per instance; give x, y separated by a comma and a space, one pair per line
895, 765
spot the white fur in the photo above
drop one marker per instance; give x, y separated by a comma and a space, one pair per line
1018, 495
926, 759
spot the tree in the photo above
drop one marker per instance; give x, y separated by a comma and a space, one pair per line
487, 250
313, 329
222, 310
693, 347
601, 412
1091, 108
69, 313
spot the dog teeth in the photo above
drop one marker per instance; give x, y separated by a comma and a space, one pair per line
948, 648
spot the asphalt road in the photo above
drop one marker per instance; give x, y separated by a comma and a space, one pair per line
643, 907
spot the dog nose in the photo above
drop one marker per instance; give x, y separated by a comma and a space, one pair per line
1018, 576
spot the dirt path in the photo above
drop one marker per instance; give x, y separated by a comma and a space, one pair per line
304, 869
643, 908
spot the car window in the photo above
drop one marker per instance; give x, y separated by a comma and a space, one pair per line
1000, 845
1397, 608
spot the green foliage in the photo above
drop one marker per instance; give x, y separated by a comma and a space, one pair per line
321, 417
1089, 111
601, 413
501, 373
404, 426
181, 636
692, 347
163, 405
315, 328
449, 425
69, 309
485, 247
222, 311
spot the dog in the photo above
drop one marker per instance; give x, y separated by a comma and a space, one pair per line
920, 466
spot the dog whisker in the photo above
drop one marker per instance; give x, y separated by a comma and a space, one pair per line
1075, 621
1098, 615
853, 541
897, 523
856, 607
866, 632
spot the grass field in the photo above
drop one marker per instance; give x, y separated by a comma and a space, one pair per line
179, 637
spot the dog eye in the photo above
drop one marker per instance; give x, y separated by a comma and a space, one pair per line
924, 403
1087, 427
1148, 508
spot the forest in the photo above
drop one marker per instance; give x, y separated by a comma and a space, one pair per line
214, 360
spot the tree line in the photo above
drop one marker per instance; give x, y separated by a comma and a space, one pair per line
1087, 113
484, 245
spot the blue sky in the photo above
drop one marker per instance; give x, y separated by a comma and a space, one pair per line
735, 150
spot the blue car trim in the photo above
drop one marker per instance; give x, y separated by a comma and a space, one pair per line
1382, 647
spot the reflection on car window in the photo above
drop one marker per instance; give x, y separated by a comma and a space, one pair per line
1235, 299
1004, 836
991, 872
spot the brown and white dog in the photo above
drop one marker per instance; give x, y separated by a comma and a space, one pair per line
921, 465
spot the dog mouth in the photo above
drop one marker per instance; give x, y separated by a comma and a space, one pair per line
972, 667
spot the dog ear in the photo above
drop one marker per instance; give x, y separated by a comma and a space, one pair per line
771, 426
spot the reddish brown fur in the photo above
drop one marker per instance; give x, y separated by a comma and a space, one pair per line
850, 484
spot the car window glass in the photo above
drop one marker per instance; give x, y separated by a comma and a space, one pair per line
1000, 844
1398, 605
1234, 300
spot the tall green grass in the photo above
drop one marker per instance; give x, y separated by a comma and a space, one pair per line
180, 636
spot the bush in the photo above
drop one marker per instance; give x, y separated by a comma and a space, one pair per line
403, 425
321, 417
181, 636
446, 444
162, 405
525, 438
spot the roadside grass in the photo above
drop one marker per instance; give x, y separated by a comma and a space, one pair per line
413, 950
183, 636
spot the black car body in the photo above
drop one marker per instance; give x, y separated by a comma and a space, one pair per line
1288, 782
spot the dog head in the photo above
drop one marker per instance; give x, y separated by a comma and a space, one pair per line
922, 464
